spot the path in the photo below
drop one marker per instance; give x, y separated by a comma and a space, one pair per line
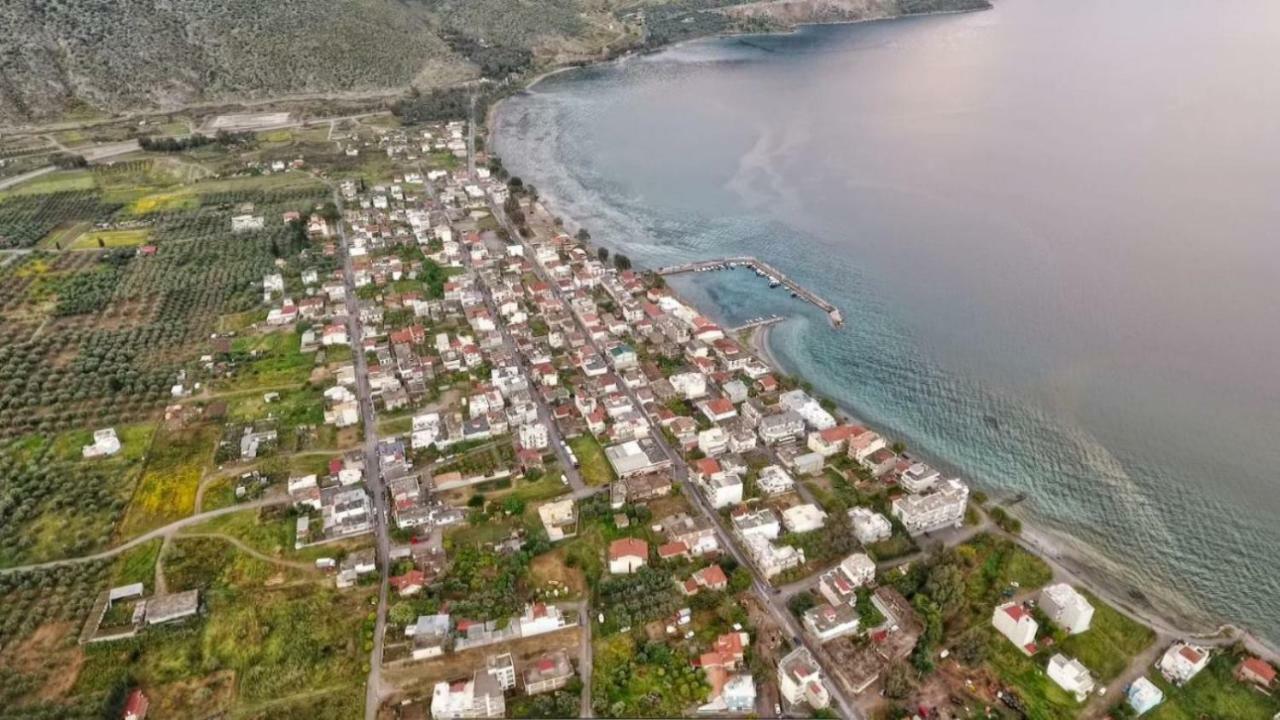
248, 550
585, 659
160, 532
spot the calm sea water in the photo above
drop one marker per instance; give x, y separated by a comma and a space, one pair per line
1053, 228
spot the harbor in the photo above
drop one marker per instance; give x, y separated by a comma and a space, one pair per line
775, 277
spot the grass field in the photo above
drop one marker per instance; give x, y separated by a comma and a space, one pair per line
269, 531
1042, 697
1214, 693
64, 235
137, 565
1111, 641
56, 181
167, 490
593, 465
95, 239
277, 361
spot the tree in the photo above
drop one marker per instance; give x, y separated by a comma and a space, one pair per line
603, 254
946, 586
583, 235
898, 682
622, 262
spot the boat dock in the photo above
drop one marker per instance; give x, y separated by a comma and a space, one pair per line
758, 322
763, 269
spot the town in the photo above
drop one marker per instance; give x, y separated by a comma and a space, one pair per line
439, 455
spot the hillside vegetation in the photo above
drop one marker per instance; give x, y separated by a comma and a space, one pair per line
68, 59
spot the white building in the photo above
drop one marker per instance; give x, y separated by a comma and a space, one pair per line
691, 385
758, 523
1182, 661
800, 680
560, 518
804, 518
827, 622
723, 489
739, 694
479, 697
774, 480
919, 478
1067, 608
104, 443
1071, 676
938, 509
870, 526
627, 555
773, 559
1014, 622
245, 223
533, 436
808, 408
1143, 695
713, 441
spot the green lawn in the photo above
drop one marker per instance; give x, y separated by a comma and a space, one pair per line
1110, 642
1214, 693
1041, 697
593, 465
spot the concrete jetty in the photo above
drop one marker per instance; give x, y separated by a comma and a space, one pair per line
758, 322
764, 269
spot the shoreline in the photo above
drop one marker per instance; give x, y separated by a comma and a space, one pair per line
1043, 542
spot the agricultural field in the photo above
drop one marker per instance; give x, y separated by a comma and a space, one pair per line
167, 490
58, 504
636, 678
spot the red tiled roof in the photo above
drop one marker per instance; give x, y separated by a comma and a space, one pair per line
628, 547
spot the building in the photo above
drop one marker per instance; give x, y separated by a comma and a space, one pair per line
803, 518
539, 618
773, 480
549, 672
840, 584
627, 555
828, 622
1067, 608
175, 606
723, 489
135, 705
1015, 623
770, 558
503, 669
800, 680
943, 507
1182, 661
713, 441
1071, 676
431, 636
870, 526
1143, 695
780, 427
918, 478
560, 518
806, 407
636, 457
479, 697
104, 443
756, 523
739, 695
1257, 671
533, 436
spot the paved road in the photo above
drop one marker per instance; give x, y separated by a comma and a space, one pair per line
585, 659
773, 601
166, 531
373, 475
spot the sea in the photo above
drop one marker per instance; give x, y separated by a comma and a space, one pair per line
1053, 230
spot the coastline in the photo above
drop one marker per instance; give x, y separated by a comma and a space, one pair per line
1045, 543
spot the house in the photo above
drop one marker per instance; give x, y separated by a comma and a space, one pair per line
1257, 671
548, 673
696, 532
135, 705
172, 607
918, 478
803, 518
722, 489
800, 680
811, 410
104, 443
770, 558
839, 585
560, 518
718, 409
935, 510
479, 697
627, 555
864, 444
711, 577
246, 223
691, 385
1071, 676
503, 669
430, 636
827, 622
410, 583
1143, 695
869, 526
757, 523
636, 457
1014, 622
1067, 608
780, 427
773, 480
739, 694
539, 618
1182, 661
713, 441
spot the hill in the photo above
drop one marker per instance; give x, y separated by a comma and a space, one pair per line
79, 58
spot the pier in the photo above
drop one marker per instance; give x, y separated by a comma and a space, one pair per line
763, 269
758, 322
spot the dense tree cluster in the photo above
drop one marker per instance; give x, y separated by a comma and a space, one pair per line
195, 140
24, 219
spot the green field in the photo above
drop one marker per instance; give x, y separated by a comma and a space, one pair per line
167, 490
593, 465
1041, 697
1111, 641
1214, 693
56, 181
110, 239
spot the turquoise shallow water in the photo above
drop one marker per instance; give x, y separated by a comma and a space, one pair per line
1051, 228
